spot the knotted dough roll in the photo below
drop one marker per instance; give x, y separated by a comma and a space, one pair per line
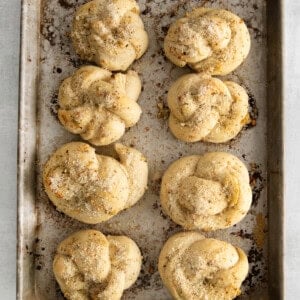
193, 267
214, 41
206, 192
99, 105
109, 33
93, 188
89, 265
204, 108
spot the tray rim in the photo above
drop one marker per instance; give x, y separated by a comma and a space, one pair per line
29, 55
275, 164
275, 140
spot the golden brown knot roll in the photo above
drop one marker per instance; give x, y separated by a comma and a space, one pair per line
214, 41
206, 192
99, 105
89, 265
204, 108
93, 188
195, 268
109, 33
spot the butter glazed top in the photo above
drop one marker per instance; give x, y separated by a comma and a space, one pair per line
110, 33
92, 188
204, 108
206, 192
195, 268
213, 41
89, 265
99, 105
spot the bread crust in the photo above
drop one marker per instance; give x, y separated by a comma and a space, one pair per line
93, 188
110, 33
193, 267
204, 108
89, 265
99, 105
214, 41
207, 192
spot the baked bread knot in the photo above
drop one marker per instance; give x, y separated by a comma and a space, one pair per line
89, 265
193, 267
109, 33
214, 41
206, 192
204, 108
99, 105
92, 188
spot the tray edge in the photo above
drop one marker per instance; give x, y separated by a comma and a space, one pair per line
275, 141
28, 82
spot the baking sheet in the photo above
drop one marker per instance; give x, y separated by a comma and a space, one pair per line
48, 57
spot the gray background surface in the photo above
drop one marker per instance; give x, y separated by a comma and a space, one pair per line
292, 147
9, 58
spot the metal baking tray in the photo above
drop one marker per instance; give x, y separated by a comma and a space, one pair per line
47, 58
